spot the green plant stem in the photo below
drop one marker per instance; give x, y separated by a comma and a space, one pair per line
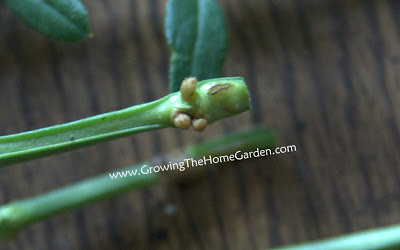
20, 213
205, 103
380, 238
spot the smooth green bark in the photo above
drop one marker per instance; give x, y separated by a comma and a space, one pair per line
213, 99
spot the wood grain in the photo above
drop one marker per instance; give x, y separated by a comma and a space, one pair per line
323, 74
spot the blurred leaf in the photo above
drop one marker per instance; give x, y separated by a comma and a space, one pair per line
59, 19
196, 34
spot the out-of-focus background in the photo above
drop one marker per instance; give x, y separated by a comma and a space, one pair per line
323, 74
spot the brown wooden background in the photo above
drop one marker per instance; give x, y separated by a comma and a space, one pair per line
324, 74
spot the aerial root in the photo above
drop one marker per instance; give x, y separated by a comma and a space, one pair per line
183, 120
188, 87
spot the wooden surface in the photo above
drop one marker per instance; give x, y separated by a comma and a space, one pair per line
324, 74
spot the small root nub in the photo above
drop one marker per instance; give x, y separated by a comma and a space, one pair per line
187, 88
199, 124
182, 121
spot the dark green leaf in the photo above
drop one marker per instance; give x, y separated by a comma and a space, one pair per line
196, 33
59, 19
